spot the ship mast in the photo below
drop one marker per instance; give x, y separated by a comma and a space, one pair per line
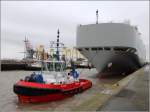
97, 16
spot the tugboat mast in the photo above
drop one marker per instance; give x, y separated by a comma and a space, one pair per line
57, 52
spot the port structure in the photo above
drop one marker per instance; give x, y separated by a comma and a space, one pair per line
56, 51
28, 53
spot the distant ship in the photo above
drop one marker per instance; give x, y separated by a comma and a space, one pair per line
115, 48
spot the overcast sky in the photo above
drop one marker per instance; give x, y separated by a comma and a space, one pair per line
39, 21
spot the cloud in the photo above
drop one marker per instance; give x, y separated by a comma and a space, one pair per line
39, 20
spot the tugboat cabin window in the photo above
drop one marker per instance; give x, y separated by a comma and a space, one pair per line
55, 66
50, 66
58, 66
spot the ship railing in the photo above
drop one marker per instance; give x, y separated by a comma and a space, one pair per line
126, 21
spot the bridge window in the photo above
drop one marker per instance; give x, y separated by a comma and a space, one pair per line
100, 48
94, 49
87, 49
120, 49
106, 48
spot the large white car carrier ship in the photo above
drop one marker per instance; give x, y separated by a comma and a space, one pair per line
112, 47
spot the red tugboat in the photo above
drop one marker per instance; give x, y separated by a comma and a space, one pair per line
52, 83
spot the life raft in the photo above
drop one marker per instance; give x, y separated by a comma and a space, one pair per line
32, 92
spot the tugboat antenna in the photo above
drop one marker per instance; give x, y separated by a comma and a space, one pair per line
97, 16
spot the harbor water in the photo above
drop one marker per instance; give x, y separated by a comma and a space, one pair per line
9, 101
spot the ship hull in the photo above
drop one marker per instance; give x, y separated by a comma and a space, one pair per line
113, 62
32, 92
122, 63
